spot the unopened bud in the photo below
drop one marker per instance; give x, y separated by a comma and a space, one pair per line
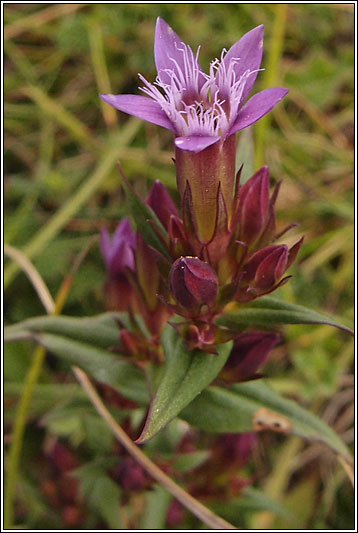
249, 352
161, 203
266, 267
194, 284
118, 251
254, 206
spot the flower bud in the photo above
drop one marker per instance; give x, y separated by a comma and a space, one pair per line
253, 208
118, 252
62, 458
161, 203
235, 448
249, 352
130, 475
266, 267
175, 514
118, 255
193, 284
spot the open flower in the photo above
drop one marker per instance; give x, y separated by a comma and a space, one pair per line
201, 109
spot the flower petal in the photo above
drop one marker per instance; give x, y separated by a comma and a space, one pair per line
249, 50
124, 233
168, 52
258, 105
195, 143
139, 106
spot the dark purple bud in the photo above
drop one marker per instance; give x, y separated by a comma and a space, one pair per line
266, 267
175, 514
193, 284
161, 203
254, 206
62, 458
130, 475
118, 294
235, 448
118, 251
249, 352
272, 268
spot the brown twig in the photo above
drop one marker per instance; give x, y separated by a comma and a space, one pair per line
199, 510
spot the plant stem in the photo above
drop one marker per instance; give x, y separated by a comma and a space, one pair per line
33, 275
18, 433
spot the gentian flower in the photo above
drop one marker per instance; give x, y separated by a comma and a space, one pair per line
204, 111
201, 109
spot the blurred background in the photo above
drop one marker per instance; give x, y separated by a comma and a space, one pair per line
61, 185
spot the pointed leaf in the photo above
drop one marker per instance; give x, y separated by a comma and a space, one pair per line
251, 500
101, 330
186, 375
267, 311
91, 355
103, 495
156, 509
236, 410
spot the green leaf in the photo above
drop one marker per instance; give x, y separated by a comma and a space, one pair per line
186, 375
301, 502
99, 438
156, 509
188, 461
269, 311
100, 492
97, 361
232, 410
251, 500
101, 330
105, 497
145, 218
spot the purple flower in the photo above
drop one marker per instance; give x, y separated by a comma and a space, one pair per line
118, 252
201, 109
